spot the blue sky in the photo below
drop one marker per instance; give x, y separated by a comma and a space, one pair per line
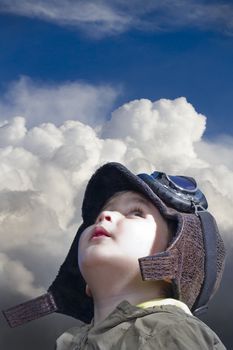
180, 56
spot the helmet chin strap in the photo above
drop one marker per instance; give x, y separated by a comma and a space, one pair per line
30, 310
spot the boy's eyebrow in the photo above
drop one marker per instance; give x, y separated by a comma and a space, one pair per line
136, 198
140, 200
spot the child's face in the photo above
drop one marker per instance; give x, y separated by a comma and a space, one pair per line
128, 227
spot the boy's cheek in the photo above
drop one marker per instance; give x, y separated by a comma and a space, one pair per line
81, 247
83, 242
86, 234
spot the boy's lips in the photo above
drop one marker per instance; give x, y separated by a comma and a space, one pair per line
100, 231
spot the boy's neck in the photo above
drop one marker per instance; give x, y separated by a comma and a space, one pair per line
108, 295
102, 308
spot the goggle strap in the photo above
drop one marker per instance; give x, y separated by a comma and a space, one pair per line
210, 243
30, 310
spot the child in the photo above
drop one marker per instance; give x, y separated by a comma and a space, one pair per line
146, 254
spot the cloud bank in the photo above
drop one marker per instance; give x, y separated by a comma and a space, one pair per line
40, 103
44, 168
99, 18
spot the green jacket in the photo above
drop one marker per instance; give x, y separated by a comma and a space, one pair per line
131, 327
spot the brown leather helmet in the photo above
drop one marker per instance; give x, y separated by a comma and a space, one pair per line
193, 260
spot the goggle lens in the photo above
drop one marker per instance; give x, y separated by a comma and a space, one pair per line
183, 182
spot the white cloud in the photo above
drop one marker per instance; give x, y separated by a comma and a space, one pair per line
56, 103
44, 170
211, 150
99, 18
146, 125
94, 17
14, 276
170, 14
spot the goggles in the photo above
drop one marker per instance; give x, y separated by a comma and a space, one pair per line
179, 192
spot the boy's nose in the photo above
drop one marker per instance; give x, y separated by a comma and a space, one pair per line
105, 215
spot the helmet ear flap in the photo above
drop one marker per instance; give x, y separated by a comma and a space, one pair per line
182, 262
194, 261
68, 288
66, 294
214, 261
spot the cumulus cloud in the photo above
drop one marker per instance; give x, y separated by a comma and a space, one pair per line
56, 103
44, 169
150, 124
99, 18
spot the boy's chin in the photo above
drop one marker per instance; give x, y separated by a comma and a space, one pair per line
108, 262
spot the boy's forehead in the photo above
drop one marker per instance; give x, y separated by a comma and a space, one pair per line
131, 196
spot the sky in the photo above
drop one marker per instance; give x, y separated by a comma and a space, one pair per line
87, 82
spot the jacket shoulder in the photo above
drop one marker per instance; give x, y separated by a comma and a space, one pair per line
180, 331
69, 339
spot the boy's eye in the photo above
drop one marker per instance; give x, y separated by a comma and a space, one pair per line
137, 212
